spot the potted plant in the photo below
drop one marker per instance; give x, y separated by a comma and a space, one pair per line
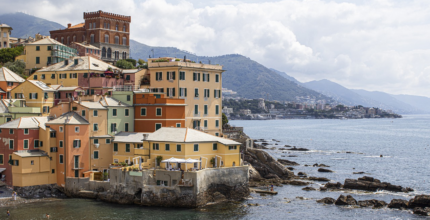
159, 159
213, 161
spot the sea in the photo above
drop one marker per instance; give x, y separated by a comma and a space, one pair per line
346, 146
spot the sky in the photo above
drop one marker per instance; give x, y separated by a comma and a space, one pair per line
378, 45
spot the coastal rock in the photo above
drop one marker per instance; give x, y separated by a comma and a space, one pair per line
302, 174
272, 176
87, 194
357, 172
323, 189
288, 162
218, 197
327, 200
298, 149
287, 145
254, 174
290, 168
333, 185
422, 211
371, 184
322, 179
41, 191
419, 201
296, 183
398, 204
372, 203
325, 170
320, 165
309, 189
345, 200
266, 164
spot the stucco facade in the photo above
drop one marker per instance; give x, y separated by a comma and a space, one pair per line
36, 94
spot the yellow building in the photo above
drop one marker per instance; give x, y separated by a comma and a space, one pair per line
32, 168
45, 52
129, 145
199, 84
5, 38
36, 94
186, 143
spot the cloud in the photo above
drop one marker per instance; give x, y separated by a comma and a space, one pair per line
375, 45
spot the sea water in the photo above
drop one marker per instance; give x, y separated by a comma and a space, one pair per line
346, 146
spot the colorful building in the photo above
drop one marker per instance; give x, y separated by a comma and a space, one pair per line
11, 109
8, 81
32, 167
36, 94
5, 38
84, 49
128, 146
153, 111
120, 115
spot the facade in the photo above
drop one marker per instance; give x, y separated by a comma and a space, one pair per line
66, 94
129, 145
36, 94
153, 111
107, 31
8, 81
199, 84
18, 135
11, 109
32, 168
45, 52
84, 49
186, 143
120, 115
5, 32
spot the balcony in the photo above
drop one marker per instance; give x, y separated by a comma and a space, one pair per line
173, 62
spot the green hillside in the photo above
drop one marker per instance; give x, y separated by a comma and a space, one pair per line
25, 25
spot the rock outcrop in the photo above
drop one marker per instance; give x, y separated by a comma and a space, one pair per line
309, 188
372, 203
345, 200
322, 179
327, 200
398, 204
40, 191
371, 184
287, 162
325, 170
421, 211
295, 182
266, 164
419, 201
333, 185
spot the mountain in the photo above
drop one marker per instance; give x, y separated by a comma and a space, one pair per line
420, 102
286, 76
245, 76
25, 25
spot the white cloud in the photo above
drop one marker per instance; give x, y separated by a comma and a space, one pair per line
375, 45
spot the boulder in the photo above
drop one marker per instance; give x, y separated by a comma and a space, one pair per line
333, 185
323, 189
309, 189
371, 184
345, 200
290, 168
325, 170
327, 200
357, 172
422, 211
288, 162
299, 149
295, 183
302, 174
253, 173
320, 165
87, 194
419, 201
322, 179
272, 176
398, 204
372, 203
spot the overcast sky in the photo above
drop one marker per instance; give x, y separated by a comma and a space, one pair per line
375, 45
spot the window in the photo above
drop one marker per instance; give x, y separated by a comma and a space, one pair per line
53, 134
158, 76
196, 109
115, 147
106, 38
49, 62
26, 131
61, 158
157, 126
178, 125
95, 127
216, 109
207, 91
114, 112
178, 147
11, 145
217, 78
116, 27
123, 28
53, 171
91, 26
76, 166
76, 143
181, 75
196, 147
205, 109
113, 127
83, 113
143, 111
217, 93
196, 92
37, 60
36, 143
53, 76
167, 147
61, 144
43, 75
95, 113
124, 41
205, 77
196, 76
37, 48
25, 144
45, 109
10, 131
32, 162
76, 129
127, 112
96, 141
171, 75
217, 123
158, 111
35, 77
126, 127
205, 123
1, 159
183, 92
128, 97
115, 160
214, 146
96, 154
94, 24
92, 38
155, 146
116, 40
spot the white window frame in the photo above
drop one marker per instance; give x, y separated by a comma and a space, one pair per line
194, 110
28, 144
98, 155
194, 149
178, 124
59, 156
77, 129
115, 160
116, 110
158, 124
13, 144
156, 112
141, 111
61, 129
177, 147
198, 93
95, 113
217, 134
94, 126
28, 131
205, 122
107, 141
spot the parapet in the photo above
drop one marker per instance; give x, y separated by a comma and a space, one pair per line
100, 13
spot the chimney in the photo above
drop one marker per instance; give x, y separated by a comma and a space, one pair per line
69, 25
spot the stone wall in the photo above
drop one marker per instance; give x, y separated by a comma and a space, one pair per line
40, 191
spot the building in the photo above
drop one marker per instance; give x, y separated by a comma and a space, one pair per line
227, 111
129, 145
11, 109
153, 111
120, 115
245, 111
186, 143
18, 135
5, 32
8, 81
36, 94
107, 31
84, 49
199, 84
45, 52
66, 94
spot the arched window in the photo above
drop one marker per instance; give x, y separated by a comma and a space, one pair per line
116, 40
92, 38
109, 53
83, 38
124, 55
124, 41
62, 40
106, 38
116, 27
68, 40
94, 24
91, 26
74, 38
108, 24
104, 52
123, 28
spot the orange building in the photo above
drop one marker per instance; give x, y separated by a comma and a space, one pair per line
153, 111
8, 81
72, 134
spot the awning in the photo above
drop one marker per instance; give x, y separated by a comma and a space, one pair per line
173, 160
189, 160
2, 169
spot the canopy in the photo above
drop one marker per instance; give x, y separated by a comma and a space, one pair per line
173, 160
189, 160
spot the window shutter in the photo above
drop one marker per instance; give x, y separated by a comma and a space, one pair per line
208, 77
185, 92
161, 76
194, 76
167, 76
168, 92
35, 95
214, 93
156, 76
219, 93
199, 77
79, 141
111, 127
173, 91
71, 75
74, 143
180, 91
16, 95
173, 75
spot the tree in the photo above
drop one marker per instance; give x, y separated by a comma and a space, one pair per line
132, 61
142, 64
224, 119
124, 64
17, 67
9, 54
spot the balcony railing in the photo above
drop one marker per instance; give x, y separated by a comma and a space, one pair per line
129, 88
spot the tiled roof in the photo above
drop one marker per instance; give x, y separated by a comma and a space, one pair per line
91, 105
26, 122
71, 118
9, 76
31, 153
89, 46
129, 137
77, 25
71, 88
41, 85
84, 63
111, 102
46, 41
186, 135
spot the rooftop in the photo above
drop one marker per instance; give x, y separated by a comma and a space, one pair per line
71, 118
77, 26
31, 153
5, 26
186, 135
91, 105
41, 85
129, 137
111, 102
84, 63
46, 41
89, 46
9, 76
71, 88
26, 122
174, 62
